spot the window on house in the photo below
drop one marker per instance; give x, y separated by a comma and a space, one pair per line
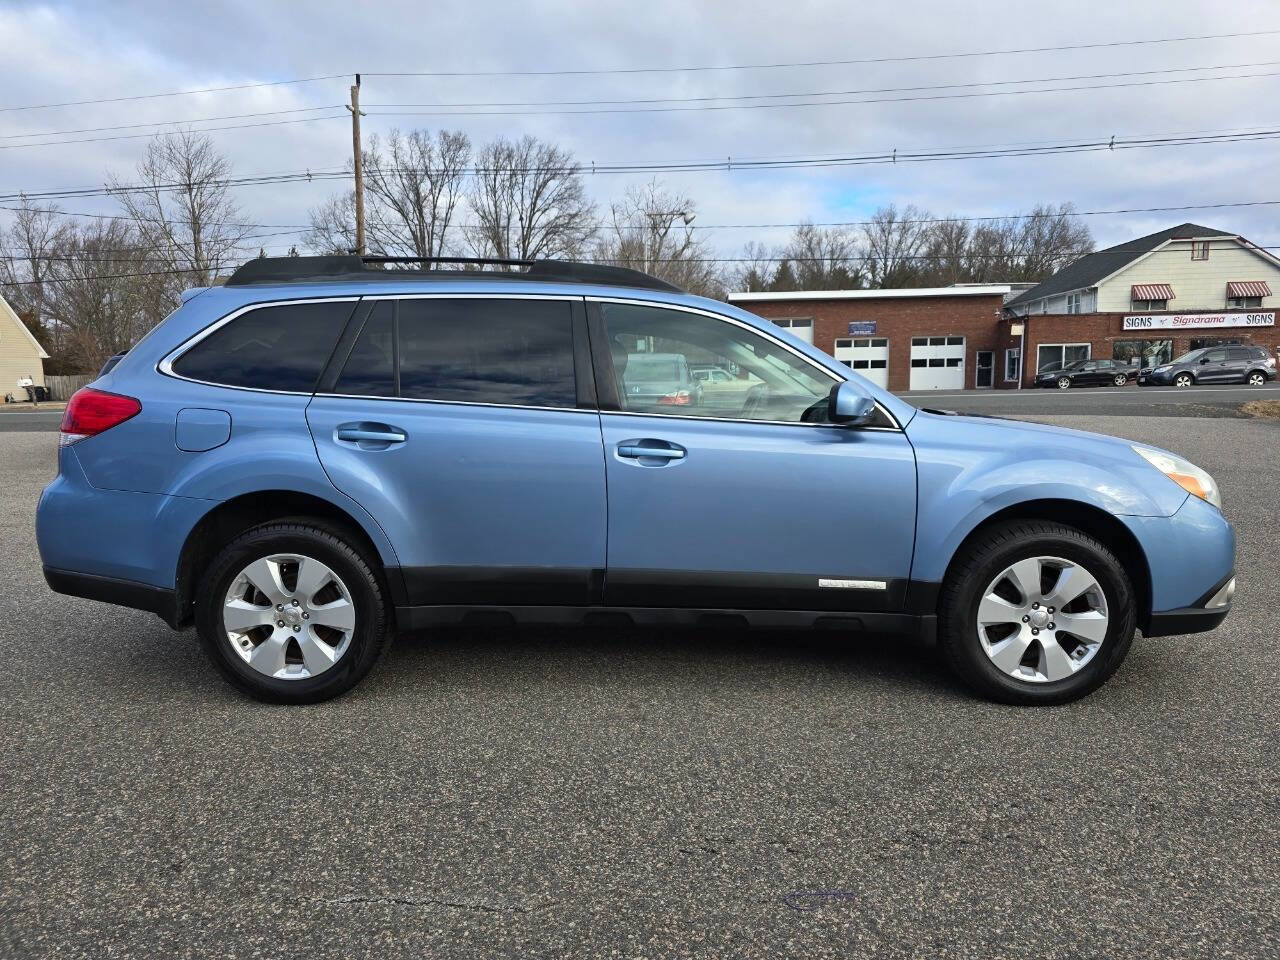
1011, 365
1200, 250
1245, 303
1073, 303
1150, 306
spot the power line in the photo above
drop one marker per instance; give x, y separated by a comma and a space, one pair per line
813, 103
167, 123
176, 93
135, 136
638, 70
728, 164
839, 93
819, 63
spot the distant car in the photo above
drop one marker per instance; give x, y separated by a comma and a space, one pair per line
660, 380
1087, 373
1238, 363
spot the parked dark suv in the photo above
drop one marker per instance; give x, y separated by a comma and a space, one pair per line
1226, 364
1086, 373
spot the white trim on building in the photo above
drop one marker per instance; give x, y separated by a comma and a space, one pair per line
986, 290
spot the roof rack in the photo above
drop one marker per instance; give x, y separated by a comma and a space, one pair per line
376, 269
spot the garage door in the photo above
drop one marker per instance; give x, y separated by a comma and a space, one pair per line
868, 355
937, 363
802, 327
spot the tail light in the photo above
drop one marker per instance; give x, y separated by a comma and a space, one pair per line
90, 412
680, 398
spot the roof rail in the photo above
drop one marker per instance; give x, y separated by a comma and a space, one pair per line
375, 269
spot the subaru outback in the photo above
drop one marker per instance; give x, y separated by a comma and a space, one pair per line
325, 451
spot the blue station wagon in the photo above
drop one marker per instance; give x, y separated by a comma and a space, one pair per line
327, 450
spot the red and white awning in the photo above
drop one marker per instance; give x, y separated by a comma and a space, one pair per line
1152, 291
1248, 288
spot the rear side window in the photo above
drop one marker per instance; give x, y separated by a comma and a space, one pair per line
517, 352
370, 369
270, 348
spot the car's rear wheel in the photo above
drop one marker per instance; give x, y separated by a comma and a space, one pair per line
292, 612
1257, 379
1064, 383
1120, 380
1183, 380
1035, 612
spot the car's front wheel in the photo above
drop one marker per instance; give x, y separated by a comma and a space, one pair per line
1035, 612
1257, 379
1120, 380
292, 612
1183, 380
1064, 383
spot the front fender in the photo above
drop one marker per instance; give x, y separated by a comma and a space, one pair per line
970, 469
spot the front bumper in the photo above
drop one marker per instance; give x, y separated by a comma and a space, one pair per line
1155, 379
1201, 617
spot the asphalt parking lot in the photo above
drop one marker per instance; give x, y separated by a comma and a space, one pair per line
642, 794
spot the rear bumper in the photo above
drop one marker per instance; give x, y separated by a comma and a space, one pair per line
123, 593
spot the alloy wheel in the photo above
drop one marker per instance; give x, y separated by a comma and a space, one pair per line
1042, 619
1063, 383
1120, 380
1182, 380
1256, 379
289, 616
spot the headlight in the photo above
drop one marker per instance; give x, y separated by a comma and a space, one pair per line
1162, 369
1185, 474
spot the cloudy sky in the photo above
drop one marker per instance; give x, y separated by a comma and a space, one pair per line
924, 99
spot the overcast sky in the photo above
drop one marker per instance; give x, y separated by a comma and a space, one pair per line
76, 51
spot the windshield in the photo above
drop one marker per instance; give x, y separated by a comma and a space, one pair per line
1190, 357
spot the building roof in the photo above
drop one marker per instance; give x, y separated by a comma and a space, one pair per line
973, 290
1089, 270
4, 306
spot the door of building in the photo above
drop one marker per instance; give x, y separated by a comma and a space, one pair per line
867, 355
984, 375
937, 363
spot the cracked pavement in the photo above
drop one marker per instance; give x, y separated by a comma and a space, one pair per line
640, 793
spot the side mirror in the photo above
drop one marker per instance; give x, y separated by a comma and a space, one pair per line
1204, 359
849, 405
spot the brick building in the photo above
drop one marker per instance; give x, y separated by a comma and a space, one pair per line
910, 339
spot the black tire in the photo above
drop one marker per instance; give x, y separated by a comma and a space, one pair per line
1184, 380
1256, 378
332, 546
981, 561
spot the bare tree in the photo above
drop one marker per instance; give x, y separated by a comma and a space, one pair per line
414, 189
333, 226
25, 265
106, 290
756, 268
650, 230
824, 258
529, 201
893, 243
183, 206
947, 252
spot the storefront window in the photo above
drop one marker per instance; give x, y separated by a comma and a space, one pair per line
1144, 353
1061, 354
1200, 342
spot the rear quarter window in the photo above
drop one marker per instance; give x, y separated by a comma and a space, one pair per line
269, 348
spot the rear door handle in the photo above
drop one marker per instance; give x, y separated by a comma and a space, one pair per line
370, 436
650, 449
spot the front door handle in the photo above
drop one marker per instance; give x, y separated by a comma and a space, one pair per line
370, 436
650, 450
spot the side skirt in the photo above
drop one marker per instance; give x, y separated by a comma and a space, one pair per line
922, 626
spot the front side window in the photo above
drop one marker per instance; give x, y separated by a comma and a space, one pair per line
651, 350
370, 367
512, 352
271, 348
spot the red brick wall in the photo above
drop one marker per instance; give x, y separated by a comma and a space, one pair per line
1101, 330
976, 318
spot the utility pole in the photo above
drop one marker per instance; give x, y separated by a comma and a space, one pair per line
359, 164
